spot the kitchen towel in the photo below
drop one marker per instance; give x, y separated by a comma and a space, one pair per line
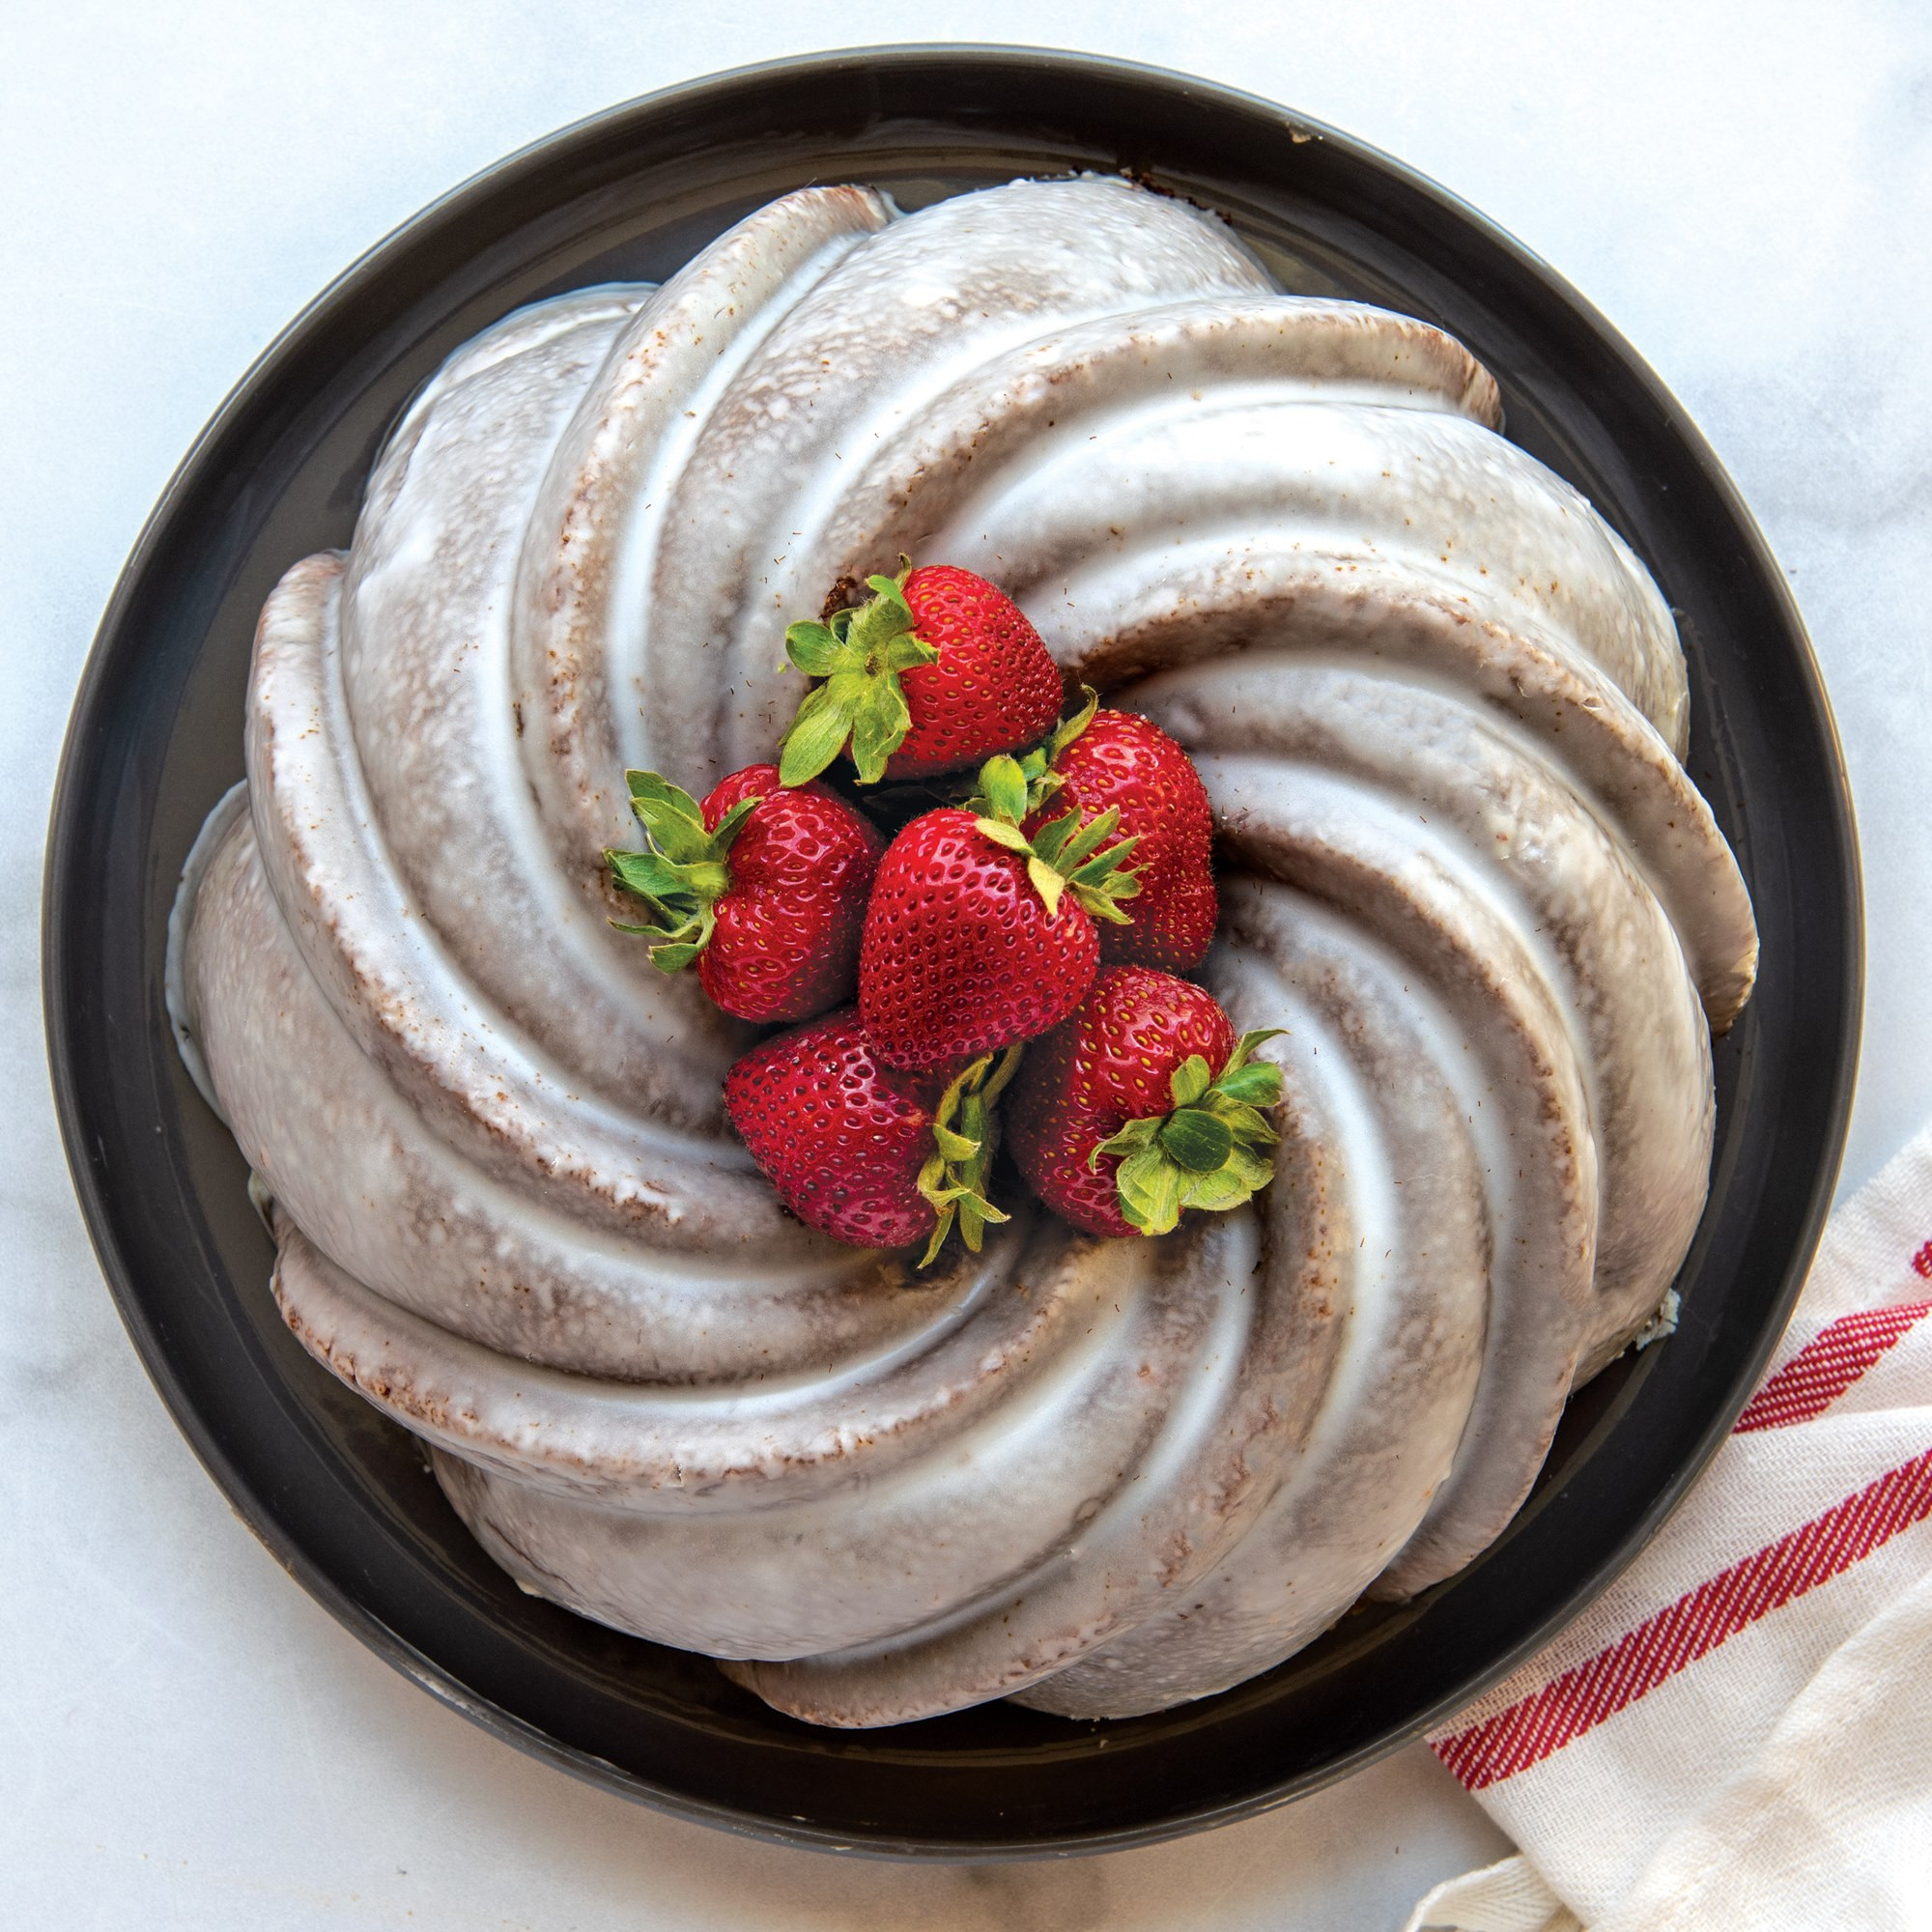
1736, 1735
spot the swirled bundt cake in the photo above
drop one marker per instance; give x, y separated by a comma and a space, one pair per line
1438, 707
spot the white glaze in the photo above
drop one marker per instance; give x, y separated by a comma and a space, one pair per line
1438, 707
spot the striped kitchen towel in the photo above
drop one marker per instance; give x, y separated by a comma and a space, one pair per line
1737, 1734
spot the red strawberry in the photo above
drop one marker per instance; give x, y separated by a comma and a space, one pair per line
976, 936
1142, 1104
935, 673
863, 1152
1117, 760
765, 886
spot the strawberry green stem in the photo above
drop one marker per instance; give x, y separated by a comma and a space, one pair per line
682, 874
1065, 853
964, 1138
1206, 1153
858, 654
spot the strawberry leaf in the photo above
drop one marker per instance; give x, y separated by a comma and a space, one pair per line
1102, 869
1089, 839
1100, 883
1189, 1080
1258, 1085
1003, 833
669, 815
1050, 841
903, 652
1216, 1192
727, 828
1255, 1169
880, 722
1069, 728
1245, 1124
1245, 1046
648, 874
1196, 1140
655, 785
676, 958
1004, 788
1046, 882
816, 736
682, 874
818, 651
1149, 1191
1131, 1139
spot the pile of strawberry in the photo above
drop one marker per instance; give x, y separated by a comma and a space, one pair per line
1056, 903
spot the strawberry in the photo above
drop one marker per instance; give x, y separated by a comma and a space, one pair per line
863, 1152
765, 886
1144, 1104
976, 935
935, 673
1115, 760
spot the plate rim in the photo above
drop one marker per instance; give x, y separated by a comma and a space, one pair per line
114, 639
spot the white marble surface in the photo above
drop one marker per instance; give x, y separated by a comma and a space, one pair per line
187, 1740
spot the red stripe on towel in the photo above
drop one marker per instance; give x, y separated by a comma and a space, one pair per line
1828, 1365
1531, 1729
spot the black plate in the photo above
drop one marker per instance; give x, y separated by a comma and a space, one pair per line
341, 1496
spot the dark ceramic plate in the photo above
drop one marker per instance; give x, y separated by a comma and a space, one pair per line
342, 1498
